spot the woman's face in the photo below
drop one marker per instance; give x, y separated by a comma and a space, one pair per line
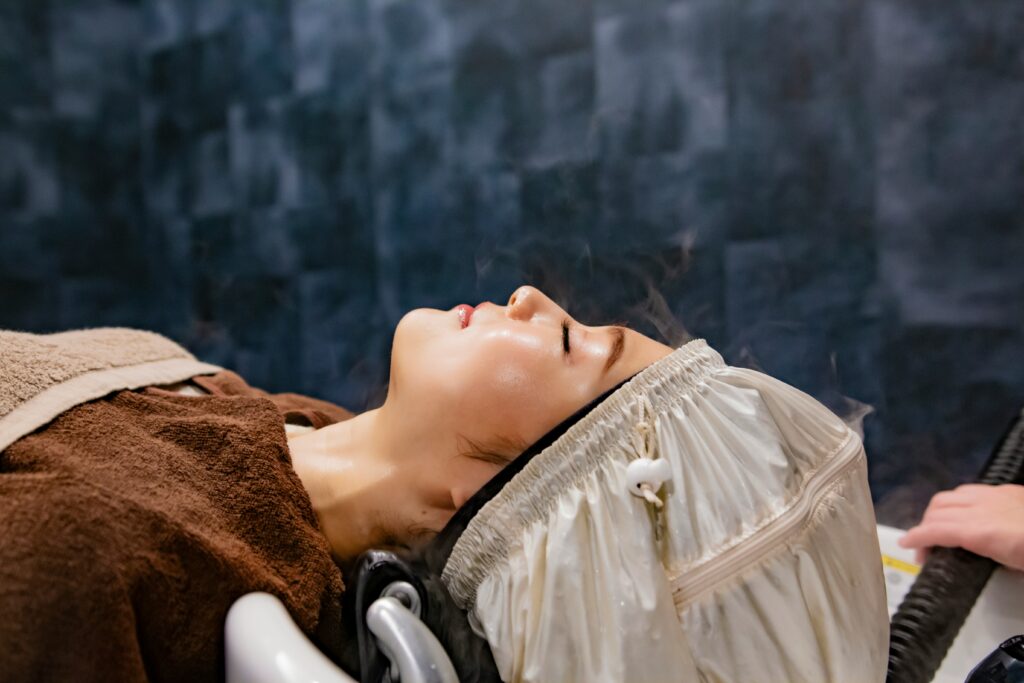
500, 377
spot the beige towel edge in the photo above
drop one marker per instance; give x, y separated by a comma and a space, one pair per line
45, 406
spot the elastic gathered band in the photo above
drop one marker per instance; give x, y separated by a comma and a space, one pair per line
606, 430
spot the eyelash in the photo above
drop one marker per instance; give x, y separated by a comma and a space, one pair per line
565, 336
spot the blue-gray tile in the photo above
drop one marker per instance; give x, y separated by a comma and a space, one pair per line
666, 198
210, 175
95, 302
260, 40
329, 139
534, 29
492, 113
408, 125
331, 46
263, 169
25, 256
28, 304
566, 121
333, 237
26, 69
412, 38
562, 200
95, 50
29, 171
247, 244
166, 22
660, 79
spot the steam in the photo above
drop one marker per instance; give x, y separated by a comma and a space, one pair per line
850, 410
656, 312
854, 415
651, 289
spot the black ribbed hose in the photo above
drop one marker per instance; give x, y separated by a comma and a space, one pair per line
931, 614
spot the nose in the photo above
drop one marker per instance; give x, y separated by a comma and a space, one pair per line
525, 302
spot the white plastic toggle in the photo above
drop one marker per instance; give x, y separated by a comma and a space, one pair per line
645, 476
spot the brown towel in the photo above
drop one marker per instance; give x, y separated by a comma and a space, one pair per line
130, 523
295, 407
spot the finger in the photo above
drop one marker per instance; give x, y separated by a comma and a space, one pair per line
946, 534
965, 515
955, 498
907, 539
974, 491
920, 554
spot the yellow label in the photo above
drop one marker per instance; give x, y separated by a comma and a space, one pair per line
901, 565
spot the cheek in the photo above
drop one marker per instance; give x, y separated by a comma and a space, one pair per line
496, 384
515, 392
480, 385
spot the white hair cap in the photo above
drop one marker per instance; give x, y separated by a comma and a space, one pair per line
703, 523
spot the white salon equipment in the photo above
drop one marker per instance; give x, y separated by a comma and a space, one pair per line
264, 645
998, 613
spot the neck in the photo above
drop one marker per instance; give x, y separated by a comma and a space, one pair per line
347, 470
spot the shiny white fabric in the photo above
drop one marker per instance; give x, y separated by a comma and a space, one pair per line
762, 565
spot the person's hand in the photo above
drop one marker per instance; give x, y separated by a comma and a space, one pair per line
987, 520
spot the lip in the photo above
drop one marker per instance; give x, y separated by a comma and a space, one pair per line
465, 313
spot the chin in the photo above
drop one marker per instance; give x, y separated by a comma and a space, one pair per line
412, 335
416, 326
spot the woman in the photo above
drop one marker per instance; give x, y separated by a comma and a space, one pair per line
133, 518
483, 382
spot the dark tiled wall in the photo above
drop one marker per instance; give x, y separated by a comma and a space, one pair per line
832, 191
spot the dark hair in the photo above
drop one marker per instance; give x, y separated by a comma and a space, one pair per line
499, 451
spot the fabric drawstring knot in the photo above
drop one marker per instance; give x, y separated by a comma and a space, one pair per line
644, 443
646, 474
650, 496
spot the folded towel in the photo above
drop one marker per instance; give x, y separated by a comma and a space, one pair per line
42, 375
132, 520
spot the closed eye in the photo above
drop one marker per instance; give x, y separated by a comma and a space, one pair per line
565, 337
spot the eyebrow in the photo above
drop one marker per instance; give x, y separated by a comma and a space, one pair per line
618, 345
